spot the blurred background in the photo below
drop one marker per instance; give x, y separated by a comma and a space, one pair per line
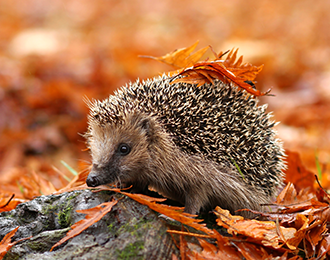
55, 53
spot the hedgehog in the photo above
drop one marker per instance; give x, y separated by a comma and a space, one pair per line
205, 146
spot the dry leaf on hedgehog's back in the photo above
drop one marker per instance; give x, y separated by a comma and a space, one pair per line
227, 70
197, 72
181, 58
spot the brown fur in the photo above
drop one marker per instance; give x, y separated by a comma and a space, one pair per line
155, 161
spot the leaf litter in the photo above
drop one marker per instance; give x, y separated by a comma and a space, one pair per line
295, 228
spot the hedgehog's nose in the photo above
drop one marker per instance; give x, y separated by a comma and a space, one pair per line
92, 180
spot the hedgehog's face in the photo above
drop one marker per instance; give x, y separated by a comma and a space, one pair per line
120, 152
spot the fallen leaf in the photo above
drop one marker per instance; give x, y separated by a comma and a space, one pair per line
297, 173
263, 232
6, 243
93, 215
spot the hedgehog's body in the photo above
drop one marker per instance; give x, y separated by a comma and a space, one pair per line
184, 141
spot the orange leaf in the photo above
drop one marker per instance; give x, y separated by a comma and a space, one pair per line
226, 250
92, 216
229, 70
7, 202
208, 71
181, 58
78, 180
6, 243
324, 247
297, 172
250, 251
263, 232
315, 234
245, 71
172, 212
169, 211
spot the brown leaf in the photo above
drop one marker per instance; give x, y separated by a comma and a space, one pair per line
314, 236
92, 216
287, 196
263, 232
175, 213
324, 247
297, 173
291, 202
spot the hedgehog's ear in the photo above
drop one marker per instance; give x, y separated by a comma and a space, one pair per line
147, 125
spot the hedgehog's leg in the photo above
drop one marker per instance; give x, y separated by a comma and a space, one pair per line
192, 205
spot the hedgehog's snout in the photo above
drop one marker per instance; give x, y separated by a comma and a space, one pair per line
93, 180
102, 175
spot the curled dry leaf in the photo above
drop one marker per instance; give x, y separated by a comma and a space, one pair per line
230, 69
206, 72
263, 232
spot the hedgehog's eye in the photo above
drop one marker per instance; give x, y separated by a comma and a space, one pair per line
124, 149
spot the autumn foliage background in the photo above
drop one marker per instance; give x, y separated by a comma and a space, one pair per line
54, 53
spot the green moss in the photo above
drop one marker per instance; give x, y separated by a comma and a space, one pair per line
15, 257
111, 227
49, 209
37, 246
131, 250
64, 217
64, 210
134, 227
